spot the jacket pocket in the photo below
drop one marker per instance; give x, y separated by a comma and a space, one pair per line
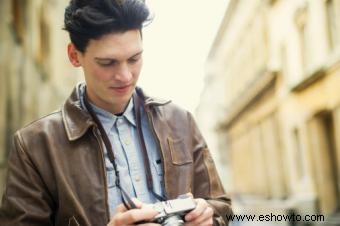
73, 222
180, 154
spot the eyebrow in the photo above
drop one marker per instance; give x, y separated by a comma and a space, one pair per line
109, 58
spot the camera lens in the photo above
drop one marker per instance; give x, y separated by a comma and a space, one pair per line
173, 220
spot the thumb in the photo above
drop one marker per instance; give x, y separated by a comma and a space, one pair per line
138, 203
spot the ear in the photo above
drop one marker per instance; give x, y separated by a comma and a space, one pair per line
73, 55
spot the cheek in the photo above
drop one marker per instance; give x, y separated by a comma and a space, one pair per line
101, 74
92, 72
137, 69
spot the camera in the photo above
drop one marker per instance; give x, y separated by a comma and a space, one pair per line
171, 212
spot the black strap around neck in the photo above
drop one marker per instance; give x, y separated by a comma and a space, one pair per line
137, 105
137, 111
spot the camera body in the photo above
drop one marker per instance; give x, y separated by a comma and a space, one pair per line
171, 212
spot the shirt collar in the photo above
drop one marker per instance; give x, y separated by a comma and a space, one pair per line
108, 119
129, 112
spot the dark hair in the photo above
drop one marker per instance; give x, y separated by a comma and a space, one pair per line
91, 19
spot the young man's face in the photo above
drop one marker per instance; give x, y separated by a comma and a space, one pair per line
112, 65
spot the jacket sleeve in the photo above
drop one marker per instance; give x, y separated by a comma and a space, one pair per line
25, 200
207, 183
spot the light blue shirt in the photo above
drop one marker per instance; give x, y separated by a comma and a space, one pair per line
123, 136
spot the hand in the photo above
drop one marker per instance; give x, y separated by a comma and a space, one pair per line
202, 215
124, 217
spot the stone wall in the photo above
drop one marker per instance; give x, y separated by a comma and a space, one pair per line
279, 65
35, 75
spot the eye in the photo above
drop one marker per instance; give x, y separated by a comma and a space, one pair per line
134, 60
105, 62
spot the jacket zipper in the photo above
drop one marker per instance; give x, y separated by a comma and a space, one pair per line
151, 124
97, 135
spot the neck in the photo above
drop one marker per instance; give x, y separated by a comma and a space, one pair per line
116, 109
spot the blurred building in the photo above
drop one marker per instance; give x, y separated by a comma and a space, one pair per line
35, 76
273, 93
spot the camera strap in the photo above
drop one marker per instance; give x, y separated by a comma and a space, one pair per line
110, 153
138, 99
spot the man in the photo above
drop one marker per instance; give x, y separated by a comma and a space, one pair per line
110, 149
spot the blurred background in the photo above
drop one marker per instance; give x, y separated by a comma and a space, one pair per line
261, 76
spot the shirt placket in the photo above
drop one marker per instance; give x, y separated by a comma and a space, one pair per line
135, 166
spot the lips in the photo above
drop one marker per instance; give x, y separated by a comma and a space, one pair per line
120, 89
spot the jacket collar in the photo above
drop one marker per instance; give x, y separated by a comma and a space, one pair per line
77, 120
148, 101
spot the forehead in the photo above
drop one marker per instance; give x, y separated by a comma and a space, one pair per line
116, 45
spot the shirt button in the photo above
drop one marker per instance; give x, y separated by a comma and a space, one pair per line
127, 141
120, 121
137, 178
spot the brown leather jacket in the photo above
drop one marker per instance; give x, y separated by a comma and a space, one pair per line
56, 172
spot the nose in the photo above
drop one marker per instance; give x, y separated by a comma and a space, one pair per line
123, 73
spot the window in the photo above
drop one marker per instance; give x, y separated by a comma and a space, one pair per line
333, 17
298, 154
301, 22
18, 20
323, 149
284, 60
43, 46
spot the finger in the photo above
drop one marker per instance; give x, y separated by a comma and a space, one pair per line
120, 209
134, 215
149, 224
207, 222
190, 194
200, 207
204, 217
138, 203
